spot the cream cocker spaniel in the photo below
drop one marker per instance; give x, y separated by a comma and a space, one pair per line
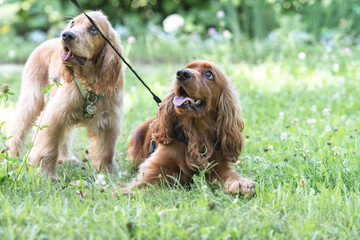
90, 95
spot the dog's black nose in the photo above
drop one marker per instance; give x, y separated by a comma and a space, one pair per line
183, 75
68, 37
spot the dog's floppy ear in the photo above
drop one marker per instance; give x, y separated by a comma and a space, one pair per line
110, 78
66, 73
165, 121
230, 124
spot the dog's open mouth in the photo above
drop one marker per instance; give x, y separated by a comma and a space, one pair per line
67, 56
184, 101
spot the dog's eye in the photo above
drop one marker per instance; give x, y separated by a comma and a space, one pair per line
92, 30
209, 75
72, 24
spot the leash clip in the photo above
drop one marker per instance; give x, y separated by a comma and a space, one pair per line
91, 98
203, 154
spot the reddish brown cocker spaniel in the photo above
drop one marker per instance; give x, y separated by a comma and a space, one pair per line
197, 126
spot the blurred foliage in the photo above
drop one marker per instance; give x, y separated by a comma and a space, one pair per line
244, 18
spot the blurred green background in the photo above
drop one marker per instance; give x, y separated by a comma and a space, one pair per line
202, 23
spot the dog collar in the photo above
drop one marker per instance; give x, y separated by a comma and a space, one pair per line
181, 136
90, 100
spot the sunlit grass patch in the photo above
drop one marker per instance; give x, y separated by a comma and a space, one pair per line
302, 126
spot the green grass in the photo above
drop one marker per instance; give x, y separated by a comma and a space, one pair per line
306, 187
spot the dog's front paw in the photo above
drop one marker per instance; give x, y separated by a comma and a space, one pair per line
34, 160
45, 162
71, 159
14, 146
239, 185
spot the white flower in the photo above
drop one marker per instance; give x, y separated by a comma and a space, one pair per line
311, 121
283, 136
295, 120
326, 112
194, 37
302, 55
336, 150
56, 78
162, 213
270, 147
342, 79
211, 31
204, 187
335, 67
257, 159
327, 129
131, 40
100, 179
133, 89
173, 22
281, 115
121, 174
124, 173
11, 53
227, 34
79, 182
313, 108
312, 192
220, 14
37, 36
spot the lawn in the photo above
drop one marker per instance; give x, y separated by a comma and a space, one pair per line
302, 123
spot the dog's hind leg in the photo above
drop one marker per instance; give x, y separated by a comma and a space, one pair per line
139, 143
29, 106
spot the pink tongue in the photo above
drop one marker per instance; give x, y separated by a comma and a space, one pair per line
65, 56
178, 101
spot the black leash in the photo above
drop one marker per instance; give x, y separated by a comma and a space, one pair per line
156, 98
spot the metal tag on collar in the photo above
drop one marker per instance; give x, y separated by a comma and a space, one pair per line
90, 108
